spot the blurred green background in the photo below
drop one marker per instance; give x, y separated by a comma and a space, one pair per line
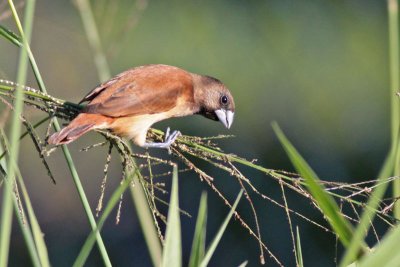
318, 68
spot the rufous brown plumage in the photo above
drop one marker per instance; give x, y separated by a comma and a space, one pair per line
132, 101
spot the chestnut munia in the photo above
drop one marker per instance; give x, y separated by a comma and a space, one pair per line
132, 101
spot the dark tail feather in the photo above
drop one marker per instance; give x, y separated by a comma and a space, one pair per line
69, 134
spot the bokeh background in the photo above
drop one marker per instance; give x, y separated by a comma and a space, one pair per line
318, 68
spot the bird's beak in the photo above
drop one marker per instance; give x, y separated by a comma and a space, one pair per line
225, 116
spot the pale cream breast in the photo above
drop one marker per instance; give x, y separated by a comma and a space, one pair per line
136, 127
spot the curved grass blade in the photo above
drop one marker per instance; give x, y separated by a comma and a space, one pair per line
172, 254
147, 224
394, 67
298, 249
7, 203
32, 234
88, 245
386, 254
328, 205
103, 70
217, 238
37, 232
65, 149
89, 24
391, 163
370, 211
199, 239
10, 35
26, 231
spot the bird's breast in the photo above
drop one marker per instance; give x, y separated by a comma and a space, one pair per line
136, 127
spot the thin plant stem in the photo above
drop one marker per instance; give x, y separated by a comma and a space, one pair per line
25, 230
65, 150
94, 40
7, 205
145, 220
138, 196
393, 23
85, 251
32, 244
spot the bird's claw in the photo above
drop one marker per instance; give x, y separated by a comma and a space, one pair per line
166, 135
169, 139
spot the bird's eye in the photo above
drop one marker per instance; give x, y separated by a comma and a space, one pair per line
224, 100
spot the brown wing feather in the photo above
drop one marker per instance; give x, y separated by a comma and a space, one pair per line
145, 90
100, 88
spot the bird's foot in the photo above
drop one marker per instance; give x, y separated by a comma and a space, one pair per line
169, 139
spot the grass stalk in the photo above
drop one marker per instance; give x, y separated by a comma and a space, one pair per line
370, 211
331, 210
65, 150
147, 224
7, 203
172, 254
214, 243
92, 34
137, 193
86, 205
28, 236
299, 253
199, 238
393, 23
33, 238
84, 253
391, 165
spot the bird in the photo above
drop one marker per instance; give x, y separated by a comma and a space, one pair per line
132, 101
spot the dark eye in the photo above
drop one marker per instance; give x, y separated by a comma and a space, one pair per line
224, 100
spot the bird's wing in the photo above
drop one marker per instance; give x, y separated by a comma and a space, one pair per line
100, 88
136, 94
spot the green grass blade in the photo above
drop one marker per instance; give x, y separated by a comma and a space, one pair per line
103, 70
199, 239
10, 35
393, 25
147, 224
172, 254
94, 40
65, 150
391, 165
328, 205
386, 254
7, 203
396, 182
370, 211
33, 236
37, 232
218, 236
298, 249
91, 239
26, 231
86, 205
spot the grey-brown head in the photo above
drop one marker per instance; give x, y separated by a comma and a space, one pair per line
215, 100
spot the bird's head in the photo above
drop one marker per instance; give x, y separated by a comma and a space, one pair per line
216, 102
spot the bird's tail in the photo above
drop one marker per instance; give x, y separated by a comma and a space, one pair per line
82, 124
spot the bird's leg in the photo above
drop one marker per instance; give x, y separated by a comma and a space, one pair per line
166, 135
169, 139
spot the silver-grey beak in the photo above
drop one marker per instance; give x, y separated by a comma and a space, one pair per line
225, 116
